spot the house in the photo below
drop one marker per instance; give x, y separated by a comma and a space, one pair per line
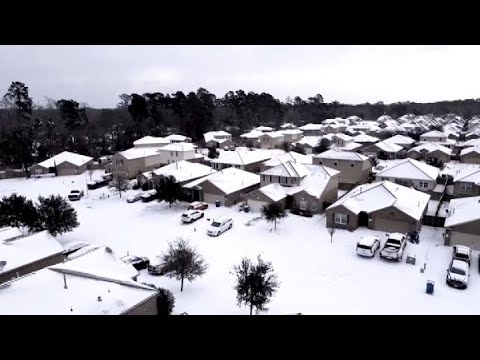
9, 233
28, 254
135, 161
402, 140
354, 168
382, 206
241, 159
183, 171
226, 186
291, 135
175, 138
410, 173
427, 151
263, 129
391, 126
272, 193
288, 126
467, 182
309, 143
307, 187
97, 283
312, 129
365, 140
151, 141
384, 150
283, 158
66, 163
470, 155
271, 140
177, 152
341, 140
439, 137
218, 139
463, 222
252, 136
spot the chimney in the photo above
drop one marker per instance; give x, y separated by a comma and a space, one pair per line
65, 281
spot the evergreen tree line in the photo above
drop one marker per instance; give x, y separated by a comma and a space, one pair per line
31, 133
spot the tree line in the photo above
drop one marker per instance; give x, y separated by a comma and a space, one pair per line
31, 133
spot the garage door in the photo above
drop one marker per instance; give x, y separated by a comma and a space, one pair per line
255, 205
391, 225
457, 238
210, 198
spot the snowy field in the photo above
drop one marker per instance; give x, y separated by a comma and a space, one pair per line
317, 277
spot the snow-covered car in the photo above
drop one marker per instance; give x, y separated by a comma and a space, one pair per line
155, 266
149, 195
95, 184
190, 216
138, 262
220, 225
134, 198
394, 247
461, 252
368, 246
232, 147
458, 274
226, 148
197, 205
75, 195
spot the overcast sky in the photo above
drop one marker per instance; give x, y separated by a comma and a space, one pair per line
350, 74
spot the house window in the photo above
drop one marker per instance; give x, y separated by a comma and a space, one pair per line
263, 177
466, 187
176, 153
423, 184
335, 164
294, 180
171, 153
270, 178
314, 206
352, 165
341, 219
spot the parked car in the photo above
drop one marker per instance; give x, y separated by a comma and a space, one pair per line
232, 148
458, 274
297, 211
368, 246
220, 225
461, 252
149, 195
95, 184
190, 216
226, 148
155, 267
138, 262
394, 247
134, 198
75, 195
197, 205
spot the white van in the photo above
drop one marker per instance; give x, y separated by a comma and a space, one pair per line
368, 246
220, 225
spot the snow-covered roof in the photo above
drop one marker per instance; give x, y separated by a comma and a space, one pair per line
341, 155
242, 157
430, 147
212, 135
311, 126
288, 126
362, 138
289, 156
291, 132
434, 133
274, 134
275, 192
101, 262
9, 233
382, 195
66, 156
343, 137
410, 169
470, 150
183, 170
388, 147
400, 139
463, 210
177, 137
287, 169
228, 180
314, 184
44, 293
151, 140
25, 250
263, 128
311, 141
140, 152
468, 175
348, 146
254, 134
180, 146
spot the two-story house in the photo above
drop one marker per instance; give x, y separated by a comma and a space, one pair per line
312, 129
218, 139
271, 140
289, 156
176, 152
291, 135
241, 159
384, 150
410, 173
427, 151
354, 168
151, 141
134, 161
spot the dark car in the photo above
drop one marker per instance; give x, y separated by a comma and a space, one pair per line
138, 262
306, 213
95, 184
149, 195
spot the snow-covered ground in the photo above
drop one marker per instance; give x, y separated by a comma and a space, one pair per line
317, 277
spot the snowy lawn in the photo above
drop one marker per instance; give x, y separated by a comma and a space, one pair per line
317, 277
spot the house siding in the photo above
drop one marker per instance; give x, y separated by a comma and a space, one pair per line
392, 220
257, 195
29, 268
348, 174
352, 222
408, 182
147, 307
458, 191
132, 167
470, 158
464, 234
211, 193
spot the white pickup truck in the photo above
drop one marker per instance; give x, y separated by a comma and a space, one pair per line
75, 195
394, 247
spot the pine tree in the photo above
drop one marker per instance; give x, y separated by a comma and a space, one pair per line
56, 215
169, 190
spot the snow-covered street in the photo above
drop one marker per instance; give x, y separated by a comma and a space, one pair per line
316, 276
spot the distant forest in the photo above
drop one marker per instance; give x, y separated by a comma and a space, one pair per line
31, 133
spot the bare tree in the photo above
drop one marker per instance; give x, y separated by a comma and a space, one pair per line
90, 170
182, 261
120, 184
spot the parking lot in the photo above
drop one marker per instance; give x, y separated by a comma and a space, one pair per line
317, 276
